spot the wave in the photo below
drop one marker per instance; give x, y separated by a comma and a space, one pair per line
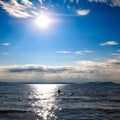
19, 115
15, 111
106, 110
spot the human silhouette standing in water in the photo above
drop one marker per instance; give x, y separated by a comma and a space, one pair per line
58, 91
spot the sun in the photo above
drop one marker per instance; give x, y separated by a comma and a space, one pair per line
43, 21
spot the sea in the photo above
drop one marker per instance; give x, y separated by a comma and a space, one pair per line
75, 102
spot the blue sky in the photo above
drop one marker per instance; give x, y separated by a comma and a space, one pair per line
81, 42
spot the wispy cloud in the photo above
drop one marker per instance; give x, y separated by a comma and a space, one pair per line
102, 64
6, 44
27, 3
41, 2
26, 8
16, 9
112, 3
64, 52
109, 43
3, 53
115, 3
98, 1
79, 53
118, 51
88, 51
83, 52
83, 12
116, 54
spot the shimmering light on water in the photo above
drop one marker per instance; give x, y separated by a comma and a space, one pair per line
45, 103
75, 102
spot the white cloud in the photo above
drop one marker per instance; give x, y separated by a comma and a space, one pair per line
41, 2
102, 64
98, 1
89, 63
16, 9
83, 12
83, 52
25, 8
27, 3
103, 70
88, 51
3, 53
64, 52
79, 53
112, 3
6, 44
109, 43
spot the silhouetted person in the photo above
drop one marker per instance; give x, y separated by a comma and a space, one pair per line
59, 91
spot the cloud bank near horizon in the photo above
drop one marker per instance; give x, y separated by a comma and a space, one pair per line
83, 72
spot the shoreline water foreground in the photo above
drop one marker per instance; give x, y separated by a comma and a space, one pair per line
40, 102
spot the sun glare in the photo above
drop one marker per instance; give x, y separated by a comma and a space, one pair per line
43, 21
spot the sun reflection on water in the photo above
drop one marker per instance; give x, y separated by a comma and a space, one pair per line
45, 100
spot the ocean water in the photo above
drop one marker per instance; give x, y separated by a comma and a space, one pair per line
76, 102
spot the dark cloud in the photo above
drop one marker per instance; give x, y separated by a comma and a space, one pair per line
40, 69
116, 63
45, 69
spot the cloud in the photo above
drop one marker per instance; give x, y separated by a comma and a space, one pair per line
118, 51
27, 3
40, 72
104, 1
115, 3
79, 53
83, 12
6, 44
3, 53
104, 70
84, 71
37, 68
88, 51
87, 63
16, 9
83, 52
41, 2
99, 64
64, 52
109, 43
42, 69
112, 3
116, 54
26, 8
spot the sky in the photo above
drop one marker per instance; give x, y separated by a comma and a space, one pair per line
59, 40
